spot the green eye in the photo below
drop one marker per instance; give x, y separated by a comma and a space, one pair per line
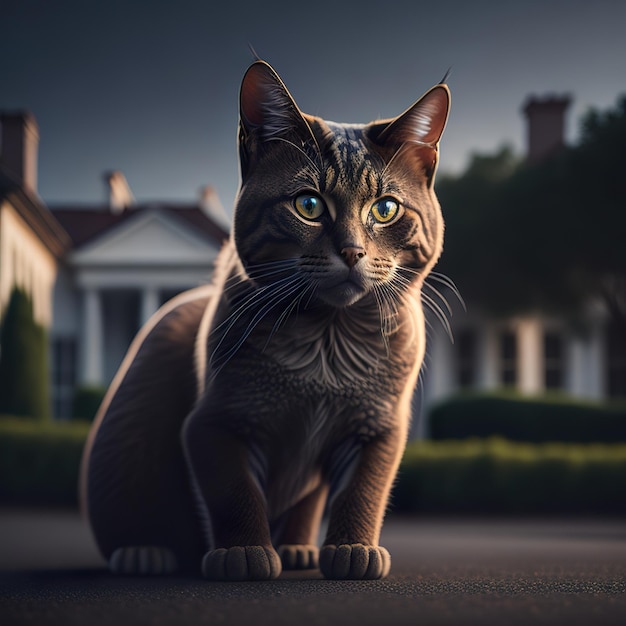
385, 210
308, 206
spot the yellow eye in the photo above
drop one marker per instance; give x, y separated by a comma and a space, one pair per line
385, 210
309, 206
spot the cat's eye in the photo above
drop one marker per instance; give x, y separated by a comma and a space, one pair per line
309, 206
385, 210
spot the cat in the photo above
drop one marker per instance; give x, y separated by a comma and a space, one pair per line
249, 407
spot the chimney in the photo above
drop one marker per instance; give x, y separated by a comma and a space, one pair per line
212, 206
19, 147
120, 195
546, 126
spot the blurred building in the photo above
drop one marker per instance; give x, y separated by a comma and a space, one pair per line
32, 243
530, 353
95, 273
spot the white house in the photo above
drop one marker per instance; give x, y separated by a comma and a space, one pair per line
126, 260
95, 273
32, 243
532, 353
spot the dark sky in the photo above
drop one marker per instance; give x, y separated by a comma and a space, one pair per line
150, 87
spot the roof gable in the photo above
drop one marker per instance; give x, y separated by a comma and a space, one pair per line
151, 237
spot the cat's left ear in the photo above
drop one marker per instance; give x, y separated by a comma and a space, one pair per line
267, 112
419, 128
266, 107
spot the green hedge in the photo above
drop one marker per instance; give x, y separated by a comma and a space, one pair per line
499, 476
527, 419
39, 463
87, 401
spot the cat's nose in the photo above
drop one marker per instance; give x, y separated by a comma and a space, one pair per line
352, 254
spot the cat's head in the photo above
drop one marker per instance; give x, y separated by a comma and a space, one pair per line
348, 209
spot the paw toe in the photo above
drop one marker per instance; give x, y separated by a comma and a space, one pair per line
241, 563
354, 562
143, 561
298, 556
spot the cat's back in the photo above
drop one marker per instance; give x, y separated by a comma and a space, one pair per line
148, 400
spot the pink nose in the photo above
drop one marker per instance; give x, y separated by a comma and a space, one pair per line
352, 255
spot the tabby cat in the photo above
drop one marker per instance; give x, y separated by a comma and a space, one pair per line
248, 408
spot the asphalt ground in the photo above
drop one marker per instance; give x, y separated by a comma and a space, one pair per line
444, 571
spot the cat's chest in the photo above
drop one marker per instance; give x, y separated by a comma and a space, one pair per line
345, 353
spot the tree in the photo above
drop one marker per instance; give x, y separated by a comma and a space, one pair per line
549, 236
24, 381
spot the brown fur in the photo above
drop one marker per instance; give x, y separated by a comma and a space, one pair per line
250, 407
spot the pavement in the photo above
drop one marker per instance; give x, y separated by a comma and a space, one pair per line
444, 571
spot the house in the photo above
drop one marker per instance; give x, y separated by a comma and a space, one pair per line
33, 244
531, 353
125, 261
95, 273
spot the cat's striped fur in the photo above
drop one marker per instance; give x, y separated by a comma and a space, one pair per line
249, 407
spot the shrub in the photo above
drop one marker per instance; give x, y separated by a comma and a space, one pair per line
24, 378
87, 401
527, 419
39, 463
499, 476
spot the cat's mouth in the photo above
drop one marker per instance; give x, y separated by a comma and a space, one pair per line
343, 293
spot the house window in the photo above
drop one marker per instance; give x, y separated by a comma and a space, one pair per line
553, 360
63, 376
508, 358
466, 347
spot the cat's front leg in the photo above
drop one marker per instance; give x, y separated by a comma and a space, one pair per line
351, 549
298, 535
241, 547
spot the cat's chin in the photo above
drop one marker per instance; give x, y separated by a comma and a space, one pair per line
343, 295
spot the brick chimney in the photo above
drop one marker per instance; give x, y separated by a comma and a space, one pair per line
19, 147
119, 192
546, 126
211, 205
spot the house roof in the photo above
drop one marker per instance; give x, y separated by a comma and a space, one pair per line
85, 224
35, 213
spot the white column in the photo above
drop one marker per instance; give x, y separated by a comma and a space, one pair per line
576, 374
597, 359
149, 303
440, 368
530, 356
92, 340
587, 364
488, 357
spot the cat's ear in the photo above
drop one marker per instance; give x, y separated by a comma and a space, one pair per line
418, 129
266, 105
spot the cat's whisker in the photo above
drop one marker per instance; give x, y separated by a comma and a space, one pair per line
257, 297
259, 271
287, 312
267, 303
299, 149
439, 314
384, 322
449, 283
441, 297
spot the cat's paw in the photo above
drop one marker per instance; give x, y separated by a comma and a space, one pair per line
241, 563
354, 562
143, 561
298, 556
